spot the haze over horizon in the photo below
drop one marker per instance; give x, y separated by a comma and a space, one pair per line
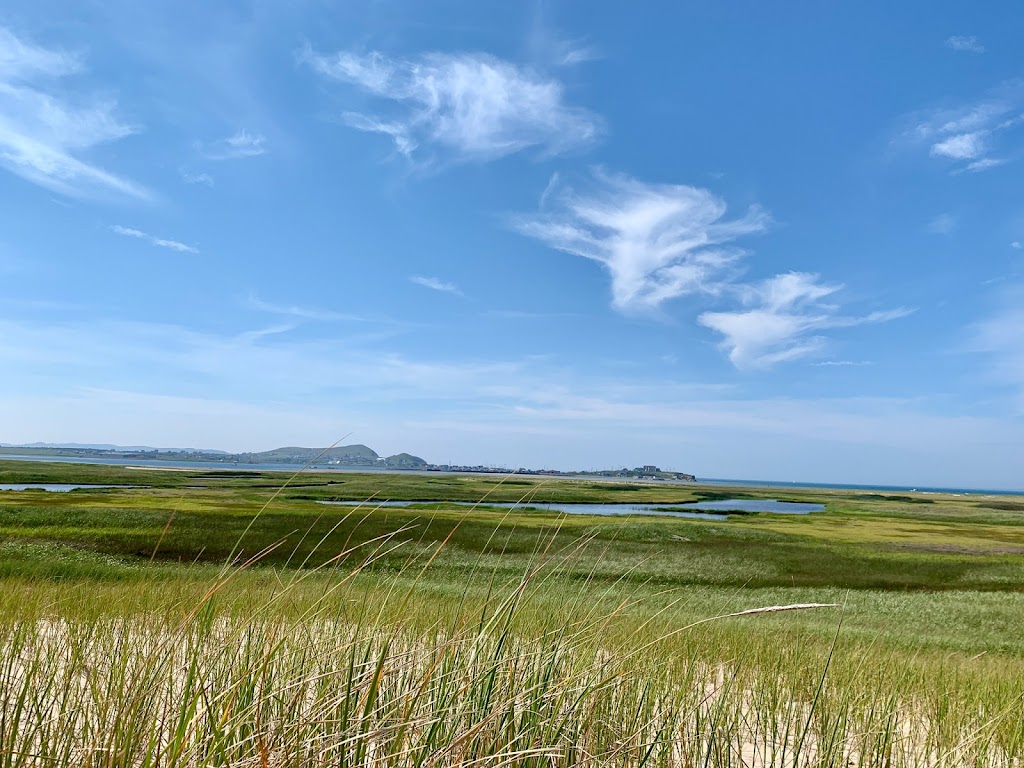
738, 241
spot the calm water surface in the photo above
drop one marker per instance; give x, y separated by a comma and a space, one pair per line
703, 510
57, 487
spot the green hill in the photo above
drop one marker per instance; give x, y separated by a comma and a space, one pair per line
404, 461
299, 455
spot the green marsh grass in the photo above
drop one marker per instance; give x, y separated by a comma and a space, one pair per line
372, 637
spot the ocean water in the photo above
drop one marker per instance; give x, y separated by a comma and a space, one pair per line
858, 487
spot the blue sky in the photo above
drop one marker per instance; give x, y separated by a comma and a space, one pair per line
739, 240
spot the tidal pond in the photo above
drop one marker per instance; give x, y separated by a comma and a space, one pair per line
701, 510
58, 487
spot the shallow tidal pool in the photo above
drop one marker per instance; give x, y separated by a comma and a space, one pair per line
702, 510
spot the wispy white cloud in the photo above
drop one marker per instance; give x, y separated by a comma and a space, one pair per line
549, 188
44, 137
574, 55
469, 106
660, 242
976, 137
549, 47
160, 242
270, 330
21, 60
1016, 244
239, 145
129, 232
657, 241
436, 284
968, 43
985, 164
399, 132
265, 360
962, 146
943, 224
843, 363
785, 314
197, 178
304, 313
173, 245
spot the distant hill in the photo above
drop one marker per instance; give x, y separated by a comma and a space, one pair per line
404, 461
357, 455
299, 455
90, 446
109, 447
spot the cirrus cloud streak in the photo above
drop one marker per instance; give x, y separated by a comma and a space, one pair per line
468, 106
974, 137
159, 242
660, 242
781, 324
46, 137
657, 241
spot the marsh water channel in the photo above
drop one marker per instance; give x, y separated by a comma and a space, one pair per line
719, 509
58, 487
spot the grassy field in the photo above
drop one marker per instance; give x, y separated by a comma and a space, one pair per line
215, 618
